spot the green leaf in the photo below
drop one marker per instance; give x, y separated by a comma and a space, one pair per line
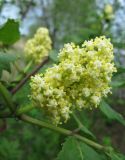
9, 149
5, 60
111, 113
116, 156
70, 151
90, 154
9, 32
22, 95
120, 70
118, 84
74, 150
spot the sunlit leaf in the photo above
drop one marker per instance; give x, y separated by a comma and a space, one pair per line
9, 32
5, 60
111, 113
73, 149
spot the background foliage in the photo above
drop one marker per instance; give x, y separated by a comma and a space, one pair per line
76, 21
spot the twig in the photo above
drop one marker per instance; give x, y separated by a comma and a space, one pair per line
64, 131
25, 79
76, 130
7, 97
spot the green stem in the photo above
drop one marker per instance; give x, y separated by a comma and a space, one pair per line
40, 123
8, 100
7, 97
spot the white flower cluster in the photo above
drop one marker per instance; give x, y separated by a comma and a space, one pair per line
79, 81
39, 46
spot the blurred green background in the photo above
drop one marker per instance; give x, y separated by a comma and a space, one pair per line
67, 21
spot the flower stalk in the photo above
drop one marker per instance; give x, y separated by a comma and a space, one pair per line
66, 132
8, 99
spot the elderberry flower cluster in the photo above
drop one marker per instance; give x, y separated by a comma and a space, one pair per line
79, 81
39, 46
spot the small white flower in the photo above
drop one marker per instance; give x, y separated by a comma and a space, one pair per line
48, 92
98, 63
69, 48
80, 103
52, 102
86, 92
95, 99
